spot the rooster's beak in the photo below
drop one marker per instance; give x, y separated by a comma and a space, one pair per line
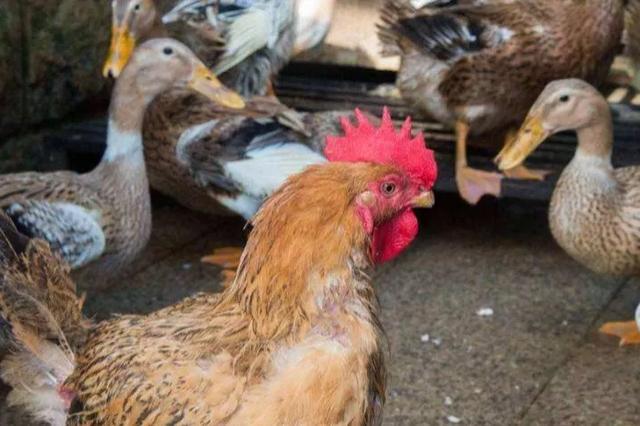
426, 199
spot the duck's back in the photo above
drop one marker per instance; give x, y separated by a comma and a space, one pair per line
165, 122
206, 157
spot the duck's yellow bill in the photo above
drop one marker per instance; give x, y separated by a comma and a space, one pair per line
204, 81
122, 45
529, 137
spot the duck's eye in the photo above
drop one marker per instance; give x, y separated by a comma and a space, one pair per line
388, 188
136, 7
167, 51
564, 98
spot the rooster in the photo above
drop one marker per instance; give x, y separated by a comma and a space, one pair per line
296, 339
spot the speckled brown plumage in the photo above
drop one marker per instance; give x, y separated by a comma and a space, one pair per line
521, 46
599, 225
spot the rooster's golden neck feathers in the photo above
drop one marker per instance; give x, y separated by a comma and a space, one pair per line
306, 237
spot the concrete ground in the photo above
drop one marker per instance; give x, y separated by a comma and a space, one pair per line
538, 360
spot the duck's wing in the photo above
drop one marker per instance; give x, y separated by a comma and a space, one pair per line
243, 159
246, 25
252, 28
254, 155
48, 206
446, 30
70, 229
628, 179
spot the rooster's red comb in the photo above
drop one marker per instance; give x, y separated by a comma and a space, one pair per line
384, 145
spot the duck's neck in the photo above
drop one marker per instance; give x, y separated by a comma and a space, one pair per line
126, 115
591, 170
596, 139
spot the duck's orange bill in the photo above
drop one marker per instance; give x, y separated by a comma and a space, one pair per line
122, 45
204, 81
529, 137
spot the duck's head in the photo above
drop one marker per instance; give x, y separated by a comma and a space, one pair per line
163, 64
570, 104
134, 21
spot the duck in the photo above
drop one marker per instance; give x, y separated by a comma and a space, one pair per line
206, 156
594, 213
102, 219
245, 42
478, 65
217, 160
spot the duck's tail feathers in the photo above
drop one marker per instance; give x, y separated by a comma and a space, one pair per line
42, 325
441, 30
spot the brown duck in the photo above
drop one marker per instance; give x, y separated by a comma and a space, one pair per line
104, 216
479, 65
595, 209
216, 160
207, 156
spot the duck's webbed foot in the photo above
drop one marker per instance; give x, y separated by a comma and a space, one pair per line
473, 184
627, 332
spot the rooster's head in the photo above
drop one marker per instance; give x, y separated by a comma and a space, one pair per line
386, 206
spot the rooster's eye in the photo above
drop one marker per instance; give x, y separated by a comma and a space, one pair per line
388, 188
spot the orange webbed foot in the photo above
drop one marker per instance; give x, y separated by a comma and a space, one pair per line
627, 332
473, 184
